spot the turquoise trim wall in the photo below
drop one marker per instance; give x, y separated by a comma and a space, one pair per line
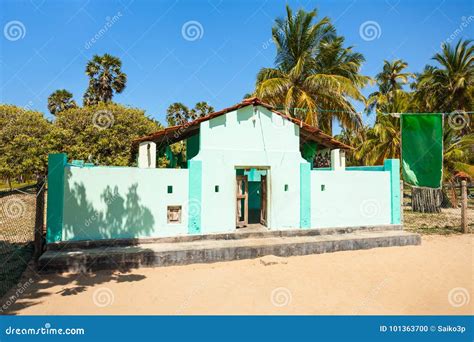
195, 196
365, 168
393, 165
305, 195
54, 215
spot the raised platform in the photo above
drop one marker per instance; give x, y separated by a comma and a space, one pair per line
87, 256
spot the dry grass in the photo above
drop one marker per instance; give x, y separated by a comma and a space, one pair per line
445, 223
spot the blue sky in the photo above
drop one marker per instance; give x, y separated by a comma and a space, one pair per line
166, 64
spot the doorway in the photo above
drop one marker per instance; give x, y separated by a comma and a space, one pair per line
251, 197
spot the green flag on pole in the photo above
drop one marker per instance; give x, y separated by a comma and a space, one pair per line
422, 149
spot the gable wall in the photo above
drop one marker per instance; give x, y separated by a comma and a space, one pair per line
234, 140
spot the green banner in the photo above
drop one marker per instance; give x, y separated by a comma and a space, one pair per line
422, 149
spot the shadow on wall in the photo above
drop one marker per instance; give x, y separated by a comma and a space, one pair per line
123, 217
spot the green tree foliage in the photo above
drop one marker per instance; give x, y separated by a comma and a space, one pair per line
105, 79
390, 82
179, 114
60, 100
103, 133
314, 72
448, 86
24, 143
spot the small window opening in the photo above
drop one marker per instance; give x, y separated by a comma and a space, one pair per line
286, 187
170, 189
323, 187
174, 214
216, 188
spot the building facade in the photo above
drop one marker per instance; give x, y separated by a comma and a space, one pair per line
247, 166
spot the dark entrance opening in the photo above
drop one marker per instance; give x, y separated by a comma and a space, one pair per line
251, 197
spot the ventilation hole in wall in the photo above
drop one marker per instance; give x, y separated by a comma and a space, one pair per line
174, 214
323, 187
286, 187
170, 189
216, 188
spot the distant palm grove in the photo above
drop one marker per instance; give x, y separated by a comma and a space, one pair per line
316, 77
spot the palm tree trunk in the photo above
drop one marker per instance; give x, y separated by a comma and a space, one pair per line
426, 200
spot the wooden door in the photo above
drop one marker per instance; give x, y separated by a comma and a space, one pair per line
263, 199
242, 202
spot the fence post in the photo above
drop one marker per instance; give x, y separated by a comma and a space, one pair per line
39, 218
464, 207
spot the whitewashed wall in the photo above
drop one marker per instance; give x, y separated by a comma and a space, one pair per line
122, 202
249, 139
350, 198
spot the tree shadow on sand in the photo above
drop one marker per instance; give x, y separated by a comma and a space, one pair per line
118, 220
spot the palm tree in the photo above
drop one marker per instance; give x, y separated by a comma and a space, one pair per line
60, 100
457, 156
384, 140
448, 86
202, 109
105, 78
390, 80
314, 73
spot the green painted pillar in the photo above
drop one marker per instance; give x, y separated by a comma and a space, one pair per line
195, 196
393, 165
305, 195
54, 215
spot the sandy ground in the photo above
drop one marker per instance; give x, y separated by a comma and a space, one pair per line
434, 278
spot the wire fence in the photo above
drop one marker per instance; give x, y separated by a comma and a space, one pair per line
21, 231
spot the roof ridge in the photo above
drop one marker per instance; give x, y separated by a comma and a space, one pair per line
252, 101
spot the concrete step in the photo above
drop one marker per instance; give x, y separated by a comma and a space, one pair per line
208, 251
242, 233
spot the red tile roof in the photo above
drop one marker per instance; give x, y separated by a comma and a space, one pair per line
174, 134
